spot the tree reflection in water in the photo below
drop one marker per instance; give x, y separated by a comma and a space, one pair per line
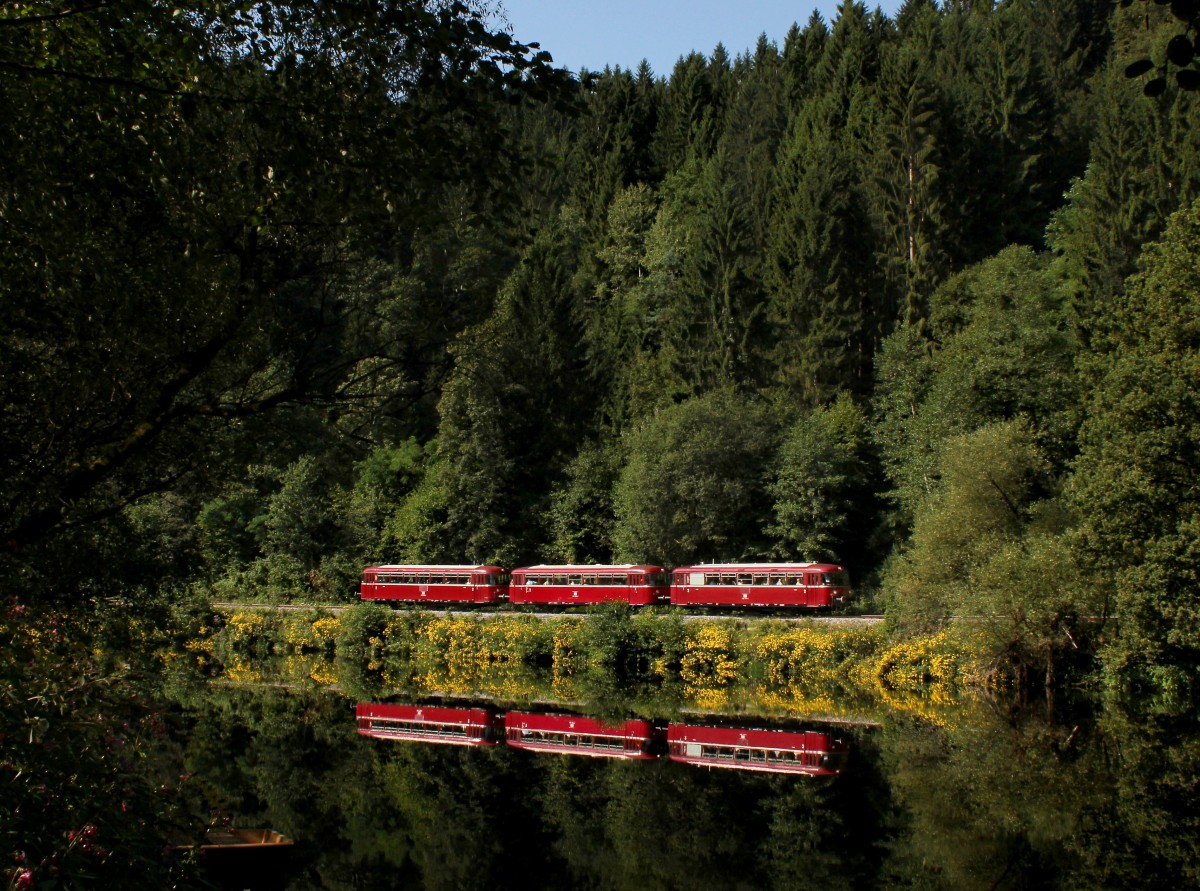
1009, 801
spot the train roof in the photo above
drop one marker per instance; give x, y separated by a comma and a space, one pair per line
591, 567
434, 567
764, 567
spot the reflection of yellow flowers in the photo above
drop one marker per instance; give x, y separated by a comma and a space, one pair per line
242, 672
763, 666
565, 646
707, 698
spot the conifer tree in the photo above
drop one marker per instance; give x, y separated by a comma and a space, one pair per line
1002, 119
520, 399
819, 268
715, 306
689, 121
755, 121
1144, 164
905, 166
802, 52
850, 61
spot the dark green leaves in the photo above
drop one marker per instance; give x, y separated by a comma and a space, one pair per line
1180, 50
1138, 68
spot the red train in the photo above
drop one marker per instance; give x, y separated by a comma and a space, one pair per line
480, 726
435, 584
810, 585
578, 735
768, 750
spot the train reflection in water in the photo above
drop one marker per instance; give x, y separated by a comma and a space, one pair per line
812, 751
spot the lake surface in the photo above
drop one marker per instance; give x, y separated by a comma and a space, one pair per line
996, 797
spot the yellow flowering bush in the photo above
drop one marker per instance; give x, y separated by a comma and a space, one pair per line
811, 656
302, 633
708, 664
919, 661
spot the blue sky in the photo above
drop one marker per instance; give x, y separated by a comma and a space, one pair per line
597, 33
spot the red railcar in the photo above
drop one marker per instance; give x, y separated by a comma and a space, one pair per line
576, 735
760, 584
559, 585
817, 753
435, 584
434, 724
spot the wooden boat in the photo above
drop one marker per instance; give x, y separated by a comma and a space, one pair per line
243, 858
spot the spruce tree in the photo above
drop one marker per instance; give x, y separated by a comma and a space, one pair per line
819, 267
905, 165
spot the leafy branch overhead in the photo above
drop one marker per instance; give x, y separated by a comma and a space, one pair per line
1181, 51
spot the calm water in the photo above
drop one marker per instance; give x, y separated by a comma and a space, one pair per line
998, 800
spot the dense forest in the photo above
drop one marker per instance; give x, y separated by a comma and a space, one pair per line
287, 290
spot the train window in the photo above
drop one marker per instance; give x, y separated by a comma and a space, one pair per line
790, 580
574, 580
840, 579
621, 579
760, 579
745, 578
589, 580
728, 578
811, 578
776, 579
697, 578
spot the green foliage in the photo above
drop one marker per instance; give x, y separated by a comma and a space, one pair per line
581, 511
187, 217
92, 778
994, 326
905, 164
990, 545
823, 486
1140, 444
818, 271
693, 486
292, 289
